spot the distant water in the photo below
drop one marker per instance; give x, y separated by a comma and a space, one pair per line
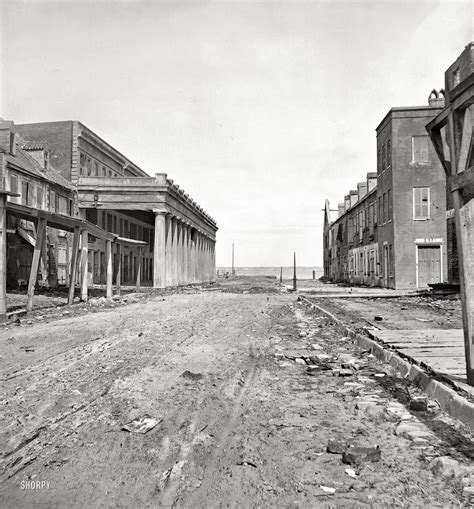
301, 272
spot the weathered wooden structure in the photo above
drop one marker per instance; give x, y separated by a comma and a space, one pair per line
452, 135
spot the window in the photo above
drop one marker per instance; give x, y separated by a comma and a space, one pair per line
420, 149
389, 204
421, 203
89, 166
52, 201
389, 154
383, 157
96, 169
379, 161
81, 164
380, 210
39, 197
13, 184
456, 77
104, 171
63, 205
384, 205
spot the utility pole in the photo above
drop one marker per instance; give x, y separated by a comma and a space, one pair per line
281, 275
294, 271
233, 268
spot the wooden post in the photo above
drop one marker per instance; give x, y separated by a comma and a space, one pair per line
84, 263
73, 270
119, 268
109, 273
465, 247
3, 257
281, 274
294, 271
139, 269
35, 263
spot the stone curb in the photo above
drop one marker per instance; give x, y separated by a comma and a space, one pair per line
449, 400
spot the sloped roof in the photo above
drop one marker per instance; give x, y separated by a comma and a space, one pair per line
24, 161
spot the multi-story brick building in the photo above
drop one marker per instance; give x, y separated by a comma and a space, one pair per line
120, 197
391, 232
27, 172
350, 242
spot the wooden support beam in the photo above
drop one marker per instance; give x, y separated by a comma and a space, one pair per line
110, 269
139, 269
119, 269
84, 263
465, 245
35, 262
3, 257
73, 270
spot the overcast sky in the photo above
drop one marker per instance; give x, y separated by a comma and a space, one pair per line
259, 110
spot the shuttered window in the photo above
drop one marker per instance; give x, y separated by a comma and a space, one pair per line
420, 146
421, 203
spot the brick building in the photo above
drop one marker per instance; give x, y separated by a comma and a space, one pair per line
391, 231
166, 237
26, 171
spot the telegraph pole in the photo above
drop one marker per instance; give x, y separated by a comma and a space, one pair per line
294, 271
281, 275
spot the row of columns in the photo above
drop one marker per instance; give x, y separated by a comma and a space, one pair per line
181, 254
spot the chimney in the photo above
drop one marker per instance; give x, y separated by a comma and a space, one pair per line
371, 181
436, 99
340, 209
361, 189
354, 196
7, 141
347, 202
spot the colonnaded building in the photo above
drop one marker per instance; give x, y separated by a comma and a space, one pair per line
155, 231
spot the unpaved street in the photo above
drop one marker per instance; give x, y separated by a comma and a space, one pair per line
244, 415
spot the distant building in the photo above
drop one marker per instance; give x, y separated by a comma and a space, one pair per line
391, 231
164, 236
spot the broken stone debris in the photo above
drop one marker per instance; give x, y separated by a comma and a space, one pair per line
419, 404
336, 447
358, 455
192, 376
328, 490
141, 425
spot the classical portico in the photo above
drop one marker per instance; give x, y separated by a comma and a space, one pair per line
184, 237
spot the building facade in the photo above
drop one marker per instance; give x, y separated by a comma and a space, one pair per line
391, 231
34, 184
170, 240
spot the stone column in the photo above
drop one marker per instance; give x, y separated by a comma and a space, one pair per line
186, 254
174, 252
193, 257
199, 258
214, 275
159, 250
180, 252
169, 250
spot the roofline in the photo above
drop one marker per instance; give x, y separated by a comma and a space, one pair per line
372, 191
78, 122
111, 147
406, 108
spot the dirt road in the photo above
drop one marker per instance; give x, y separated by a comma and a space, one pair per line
240, 421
